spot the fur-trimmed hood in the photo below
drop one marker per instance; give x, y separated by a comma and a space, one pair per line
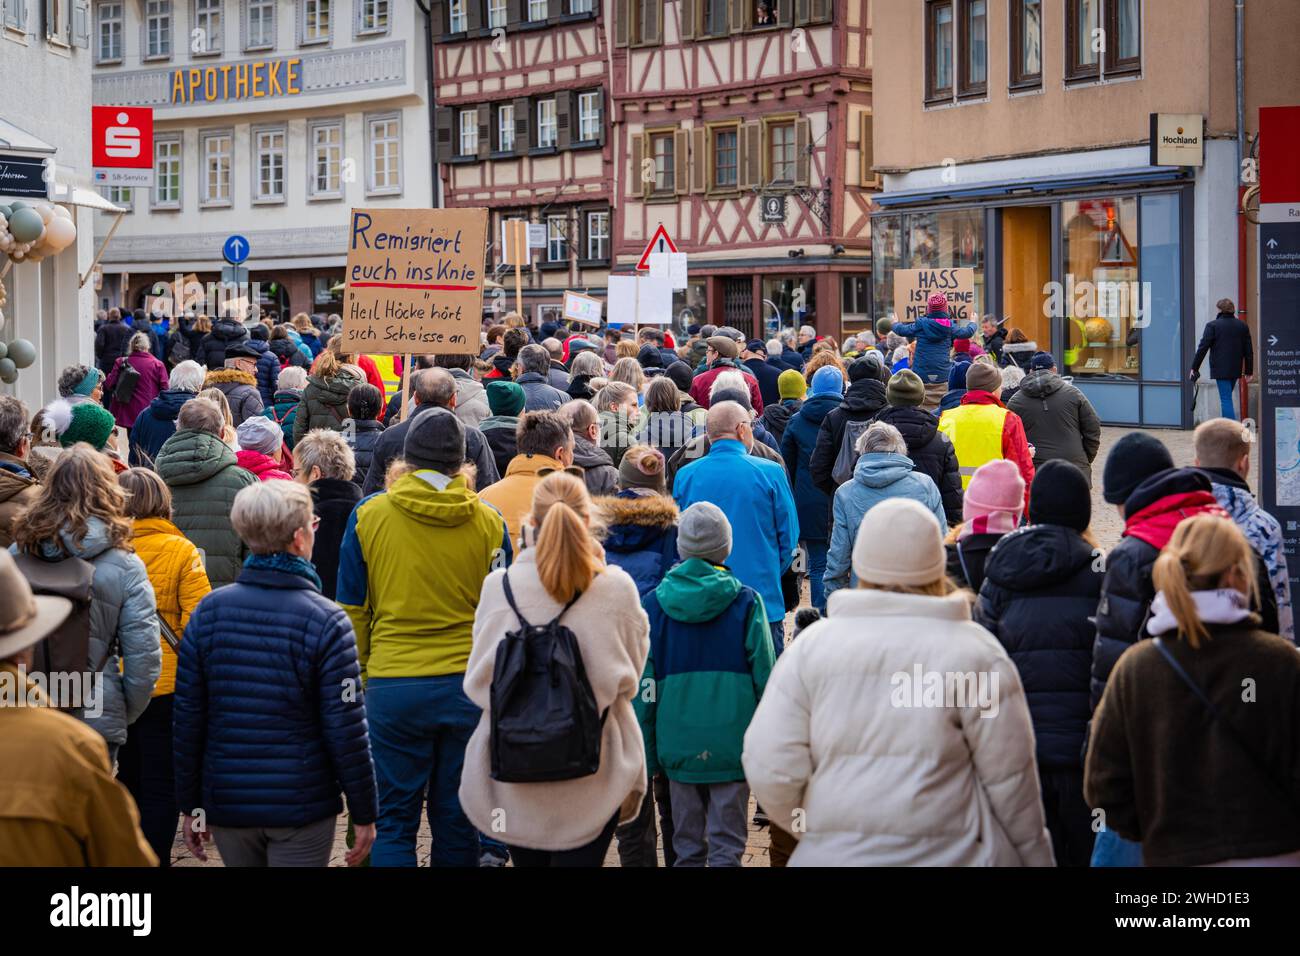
646, 511
229, 375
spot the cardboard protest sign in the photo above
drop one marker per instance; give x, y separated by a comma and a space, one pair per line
913, 286
582, 308
640, 300
414, 281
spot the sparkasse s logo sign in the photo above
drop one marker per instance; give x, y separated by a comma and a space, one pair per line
122, 137
76, 909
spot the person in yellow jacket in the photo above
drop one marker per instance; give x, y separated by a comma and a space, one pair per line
175, 568
981, 428
59, 803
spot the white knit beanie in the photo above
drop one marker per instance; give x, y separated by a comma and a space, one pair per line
899, 542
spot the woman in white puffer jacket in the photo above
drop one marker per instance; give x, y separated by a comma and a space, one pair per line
895, 732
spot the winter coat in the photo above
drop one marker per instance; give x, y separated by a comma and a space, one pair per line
332, 501
324, 403
212, 347
268, 370
240, 389
966, 559
539, 395
123, 625
271, 652
192, 338
1014, 445
512, 496
777, 415
1227, 340
392, 440
288, 353
611, 630
312, 341
702, 382
993, 343
204, 477
755, 496
641, 535
699, 446
155, 425
931, 453
1169, 776
18, 489
951, 399
151, 383
797, 447
263, 466
1059, 420
766, 376
1019, 354
844, 742
1040, 590
60, 804
598, 471
711, 654
557, 377
471, 398
616, 434
111, 343
499, 432
862, 402
283, 410
877, 477
175, 570
362, 437
933, 344
666, 431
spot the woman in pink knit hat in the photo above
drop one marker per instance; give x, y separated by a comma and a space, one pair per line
993, 504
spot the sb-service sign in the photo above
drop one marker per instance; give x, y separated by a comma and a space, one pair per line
912, 287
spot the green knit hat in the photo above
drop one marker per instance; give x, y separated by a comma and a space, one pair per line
504, 398
905, 388
83, 421
791, 384
883, 326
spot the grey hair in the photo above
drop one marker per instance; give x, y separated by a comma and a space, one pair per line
534, 358
433, 386
881, 438
553, 347
586, 362
187, 376
72, 376
139, 342
327, 450
1012, 376
267, 514
807, 330
292, 377
13, 423
581, 415
774, 347
727, 380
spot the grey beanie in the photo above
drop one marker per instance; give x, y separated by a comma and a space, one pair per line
436, 439
260, 434
704, 532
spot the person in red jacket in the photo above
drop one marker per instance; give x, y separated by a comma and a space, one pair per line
722, 354
982, 429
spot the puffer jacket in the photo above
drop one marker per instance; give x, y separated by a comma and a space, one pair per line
123, 626
934, 333
843, 743
641, 535
333, 500
1041, 586
324, 403
288, 353
155, 425
268, 369
271, 652
18, 489
240, 389
616, 434
966, 558
777, 415
179, 582
797, 446
598, 471
362, 436
539, 394
212, 349
1059, 420
263, 466
283, 410
862, 402
931, 452
499, 434
204, 477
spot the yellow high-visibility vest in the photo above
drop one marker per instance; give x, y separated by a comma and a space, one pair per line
387, 371
976, 435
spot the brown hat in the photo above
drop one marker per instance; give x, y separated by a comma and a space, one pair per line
24, 618
724, 346
983, 377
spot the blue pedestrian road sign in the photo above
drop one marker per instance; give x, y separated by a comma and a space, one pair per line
235, 249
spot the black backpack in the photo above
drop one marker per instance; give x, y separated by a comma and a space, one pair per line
128, 377
544, 720
66, 649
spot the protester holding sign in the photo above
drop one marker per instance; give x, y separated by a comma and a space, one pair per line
934, 333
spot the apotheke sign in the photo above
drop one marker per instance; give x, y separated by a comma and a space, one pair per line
1177, 139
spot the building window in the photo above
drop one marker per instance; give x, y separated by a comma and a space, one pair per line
506, 128
259, 24
974, 48
120, 196
268, 157
1026, 43
326, 160
384, 154
546, 123
537, 10
498, 13
780, 152
589, 116
57, 16
580, 6
938, 50
661, 149
215, 172
316, 22
167, 173
855, 295
207, 23
457, 16
956, 49
557, 240
766, 12
1101, 255
713, 18
645, 22
157, 29
468, 120
108, 33
725, 166
1102, 38
598, 236
1124, 52
372, 16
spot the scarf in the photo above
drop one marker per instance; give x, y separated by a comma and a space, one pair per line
991, 522
1223, 606
285, 563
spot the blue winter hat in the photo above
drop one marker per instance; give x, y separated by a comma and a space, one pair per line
828, 380
957, 374
1042, 360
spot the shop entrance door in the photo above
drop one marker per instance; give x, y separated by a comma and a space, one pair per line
1026, 270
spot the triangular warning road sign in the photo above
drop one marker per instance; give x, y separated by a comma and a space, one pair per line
659, 242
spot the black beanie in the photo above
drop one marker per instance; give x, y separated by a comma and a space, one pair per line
648, 356
1132, 460
1059, 494
435, 439
681, 375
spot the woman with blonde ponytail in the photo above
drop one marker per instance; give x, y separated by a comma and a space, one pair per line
1194, 748
561, 575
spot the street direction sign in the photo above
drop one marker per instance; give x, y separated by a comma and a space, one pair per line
235, 250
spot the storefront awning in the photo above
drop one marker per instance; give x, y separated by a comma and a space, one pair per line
14, 137
1132, 176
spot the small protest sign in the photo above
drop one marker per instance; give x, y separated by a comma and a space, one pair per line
582, 308
913, 286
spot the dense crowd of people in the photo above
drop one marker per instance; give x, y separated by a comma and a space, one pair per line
543, 605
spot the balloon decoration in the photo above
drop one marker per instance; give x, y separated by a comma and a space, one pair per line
21, 352
28, 233
8, 371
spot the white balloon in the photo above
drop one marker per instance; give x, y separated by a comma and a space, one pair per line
59, 234
46, 210
63, 212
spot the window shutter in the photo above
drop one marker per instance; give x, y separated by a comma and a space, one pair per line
516, 12
622, 13
681, 165
523, 122
687, 11
473, 14
717, 25
15, 15
81, 23
484, 130
604, 120
443, 127
749, 156
654, 22
51, 18
866, 149
636, 156
565, 113
802, 158
785, 12
738, 9
800, 11
819, 11
699, 159
438, 17
554, 10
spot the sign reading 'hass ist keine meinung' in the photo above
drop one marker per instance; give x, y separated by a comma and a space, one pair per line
414, 280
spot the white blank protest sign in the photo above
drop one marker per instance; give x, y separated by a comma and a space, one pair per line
643, 300
670, 266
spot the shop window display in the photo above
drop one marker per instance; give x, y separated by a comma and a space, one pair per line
1100, 294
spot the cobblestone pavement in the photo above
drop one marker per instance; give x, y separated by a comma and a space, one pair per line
1106, 526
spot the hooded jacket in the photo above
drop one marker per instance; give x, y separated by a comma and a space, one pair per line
499, 432
776, 416
934, 340
598, 471
212, 348
710, 657
862, 402
471, 398
204, 477
930, 452
876, 477
287, 353
152, 382
263, 466
283, 410
324, 403
842, 742
641, 535
18, 489
392, 440
155, 425
797, 447
333, 500
1041, 586
240, 389
616, 435
409, 622
1059, 420
362, 437
512, 496
175, 570
111, 342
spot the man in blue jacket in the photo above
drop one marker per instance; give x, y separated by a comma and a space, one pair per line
934, 333
755, 496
